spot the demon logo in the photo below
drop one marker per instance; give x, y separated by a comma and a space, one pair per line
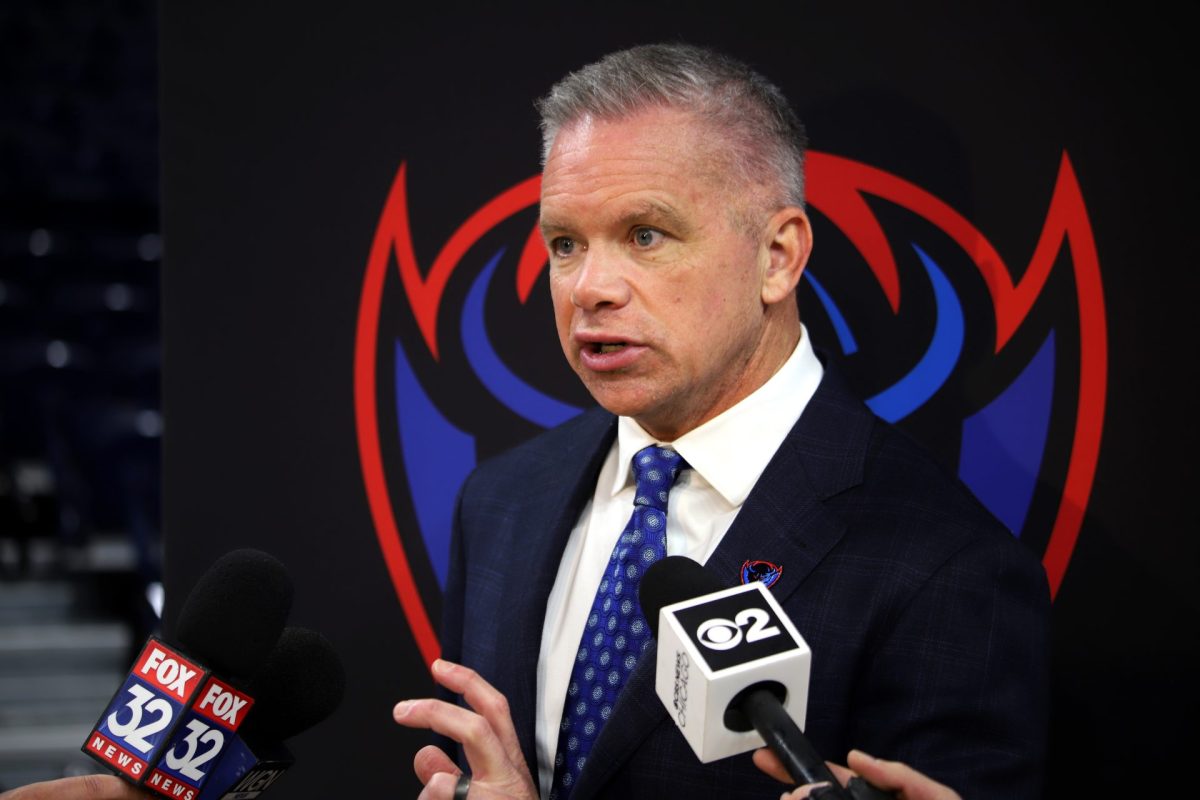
1000, 371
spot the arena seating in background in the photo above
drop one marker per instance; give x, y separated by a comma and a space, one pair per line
80, 360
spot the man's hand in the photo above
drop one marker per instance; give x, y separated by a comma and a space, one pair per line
892, 776
487, 735
85, 787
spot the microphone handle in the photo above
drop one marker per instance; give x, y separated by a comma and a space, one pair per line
787, 741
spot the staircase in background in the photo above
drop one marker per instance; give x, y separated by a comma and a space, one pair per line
62, 656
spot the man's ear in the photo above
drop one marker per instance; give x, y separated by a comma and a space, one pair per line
788, 244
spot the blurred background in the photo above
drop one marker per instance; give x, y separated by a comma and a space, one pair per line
284, 128
80, 354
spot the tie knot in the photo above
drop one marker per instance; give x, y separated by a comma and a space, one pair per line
655, 470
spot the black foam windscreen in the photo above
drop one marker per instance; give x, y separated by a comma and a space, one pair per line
301, 684
234, 615
672, 580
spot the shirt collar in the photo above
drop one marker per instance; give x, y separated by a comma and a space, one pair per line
732, 449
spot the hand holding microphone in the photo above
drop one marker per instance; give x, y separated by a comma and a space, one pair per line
168, 724
730, 662
175, 727
906, 782
81, 787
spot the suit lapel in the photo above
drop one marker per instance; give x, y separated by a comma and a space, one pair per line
784, 520
557, 490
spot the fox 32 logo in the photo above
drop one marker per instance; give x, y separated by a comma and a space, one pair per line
997, 361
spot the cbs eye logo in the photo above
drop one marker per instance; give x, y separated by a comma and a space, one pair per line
723, 634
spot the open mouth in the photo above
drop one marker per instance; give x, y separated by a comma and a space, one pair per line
606, 347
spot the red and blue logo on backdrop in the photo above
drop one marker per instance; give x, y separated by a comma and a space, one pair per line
1004, 370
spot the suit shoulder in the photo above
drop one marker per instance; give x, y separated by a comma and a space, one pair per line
898, 465
913, 501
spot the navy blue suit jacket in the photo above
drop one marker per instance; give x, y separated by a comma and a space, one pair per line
928, 622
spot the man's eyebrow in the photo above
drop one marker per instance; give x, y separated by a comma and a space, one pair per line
645, 212
653, 211
549, 224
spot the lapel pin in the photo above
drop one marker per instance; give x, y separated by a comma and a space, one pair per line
763, 571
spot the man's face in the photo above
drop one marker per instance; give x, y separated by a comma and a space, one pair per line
657, 290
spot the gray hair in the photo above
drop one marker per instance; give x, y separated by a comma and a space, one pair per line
765, 138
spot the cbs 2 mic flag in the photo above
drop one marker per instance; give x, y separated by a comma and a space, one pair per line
712, 647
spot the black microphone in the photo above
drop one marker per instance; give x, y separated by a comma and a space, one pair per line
235, 613
184, 698
730, 661
300, 685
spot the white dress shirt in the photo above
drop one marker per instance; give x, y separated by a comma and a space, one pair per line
727, 455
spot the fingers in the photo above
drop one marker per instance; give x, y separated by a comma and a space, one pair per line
483, 697
898, 777
440, 787
486, 734
769, 763
802, 793
484, 750
431, 760
841, 773
84, 787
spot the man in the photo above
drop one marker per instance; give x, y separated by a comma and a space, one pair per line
673, 211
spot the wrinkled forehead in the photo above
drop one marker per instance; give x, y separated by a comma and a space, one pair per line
679, 153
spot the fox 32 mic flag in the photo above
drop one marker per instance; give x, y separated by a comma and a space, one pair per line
711, 648
167, 721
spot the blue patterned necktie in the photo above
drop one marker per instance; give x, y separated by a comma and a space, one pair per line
616, 632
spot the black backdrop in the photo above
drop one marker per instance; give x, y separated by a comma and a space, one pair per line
284, 126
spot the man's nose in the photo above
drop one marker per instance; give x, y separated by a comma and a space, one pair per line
600, 282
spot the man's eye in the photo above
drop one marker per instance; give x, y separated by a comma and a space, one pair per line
563, 246
647, 237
